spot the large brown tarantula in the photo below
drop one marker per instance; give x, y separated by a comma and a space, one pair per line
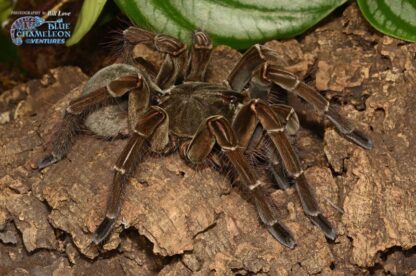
177, 109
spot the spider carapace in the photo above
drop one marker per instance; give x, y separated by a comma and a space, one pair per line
175, 109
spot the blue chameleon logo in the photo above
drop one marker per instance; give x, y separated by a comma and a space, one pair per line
24, 29
26, 23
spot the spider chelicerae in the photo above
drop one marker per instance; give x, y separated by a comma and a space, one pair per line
175, 109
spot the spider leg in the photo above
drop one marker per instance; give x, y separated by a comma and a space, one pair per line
291, 83
277, 170
67, 129
248, 68
251, 139
272, 123
252, 58
198, 57
152, 120
174, 50
76, 112
288, 117
259, 148
260, 88
217, 129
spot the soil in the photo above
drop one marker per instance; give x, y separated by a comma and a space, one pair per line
178, 221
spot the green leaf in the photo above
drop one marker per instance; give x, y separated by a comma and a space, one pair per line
5, 9
90, 11
393, 17
238, 23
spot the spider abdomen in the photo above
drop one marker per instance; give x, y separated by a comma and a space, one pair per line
109, 121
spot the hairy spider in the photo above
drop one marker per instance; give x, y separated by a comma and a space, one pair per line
177, 110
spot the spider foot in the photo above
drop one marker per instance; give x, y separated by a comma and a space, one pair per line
282, 234
325, 226
47, 160
351, 133
280, 178
282, 183
103, 230
360, 139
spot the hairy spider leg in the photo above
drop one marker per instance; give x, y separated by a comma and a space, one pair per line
248, 63
276, 169
76, 112
258, 111
260, 150
259, 88
198, 57
217, 130
177, 62
174, 50
64, 136
149, 123
291, 83
260, 55
289, 119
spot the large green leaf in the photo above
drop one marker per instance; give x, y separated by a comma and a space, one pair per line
393, 17
238, 23
90, 11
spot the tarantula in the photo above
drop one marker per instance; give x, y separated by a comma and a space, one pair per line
177, 110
